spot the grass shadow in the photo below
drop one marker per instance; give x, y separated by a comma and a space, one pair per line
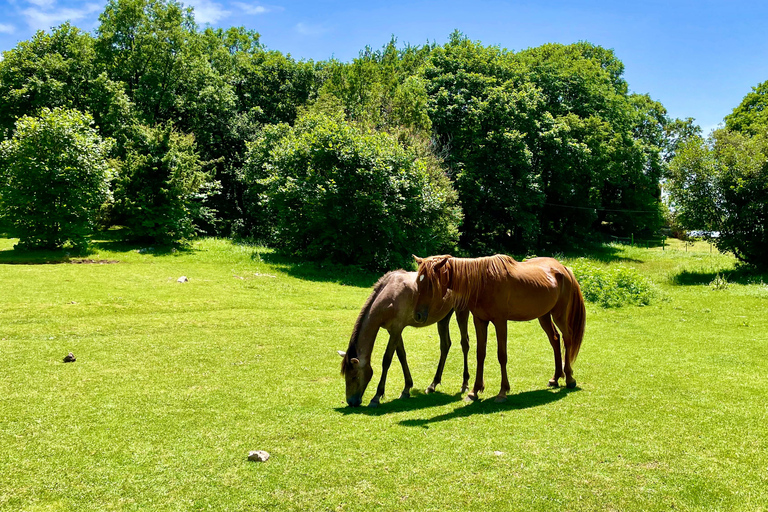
605, 253
141, 248
41, 257
519, 401
318, 272
418, 400
741, 274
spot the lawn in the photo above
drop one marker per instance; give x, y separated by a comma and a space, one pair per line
175, 383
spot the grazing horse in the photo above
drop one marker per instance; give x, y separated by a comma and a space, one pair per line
497, 289
390, 306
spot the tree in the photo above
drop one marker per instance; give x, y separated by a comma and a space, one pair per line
546, 146
334, 191
720, 185
59, 69
53, 178
160, 185
751, 116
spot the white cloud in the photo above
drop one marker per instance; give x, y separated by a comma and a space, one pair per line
255, 9
43, 19
207, 11
307, 29
42, 3
7, 29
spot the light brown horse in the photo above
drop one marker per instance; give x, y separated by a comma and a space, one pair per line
390, 306
497, 289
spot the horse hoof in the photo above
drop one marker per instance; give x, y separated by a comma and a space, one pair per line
553, 383
430, 389
500, 399
373, 404
405, 394
571, 384
472, 396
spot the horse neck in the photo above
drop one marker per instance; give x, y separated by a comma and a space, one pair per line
361, 342
471, 275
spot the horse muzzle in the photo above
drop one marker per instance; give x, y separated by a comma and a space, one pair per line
354, 401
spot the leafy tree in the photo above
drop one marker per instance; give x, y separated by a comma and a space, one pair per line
751, 116
383, 88
720, 185
160, 185
546, 146
149, 45
53, 178
60, 70
334, 191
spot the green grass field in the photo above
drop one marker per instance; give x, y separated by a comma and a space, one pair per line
175, 383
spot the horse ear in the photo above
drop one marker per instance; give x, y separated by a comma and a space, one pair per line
441, 262
341, 353
418, 260
354, 360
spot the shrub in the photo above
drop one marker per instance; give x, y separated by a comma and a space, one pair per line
330, 190
612, 287
53, 178
160, 185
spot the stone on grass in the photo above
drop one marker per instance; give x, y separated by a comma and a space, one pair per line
182, 279
258, 456
70, 358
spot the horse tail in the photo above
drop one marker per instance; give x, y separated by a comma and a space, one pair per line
577, 318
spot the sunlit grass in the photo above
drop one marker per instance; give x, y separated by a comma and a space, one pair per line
176, 382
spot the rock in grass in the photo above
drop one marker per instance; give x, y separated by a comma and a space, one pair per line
258, 456
182, 279
70, 358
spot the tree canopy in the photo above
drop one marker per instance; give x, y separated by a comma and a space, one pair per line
542, 149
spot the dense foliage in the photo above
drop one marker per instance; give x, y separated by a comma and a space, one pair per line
53, 178
545, 148
720, 185
160, 185
334, 191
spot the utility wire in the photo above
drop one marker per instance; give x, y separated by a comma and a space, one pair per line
600, 209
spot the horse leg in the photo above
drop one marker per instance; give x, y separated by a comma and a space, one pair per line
501, 350
554, 340
562, 324
462, 317
481, 331
445, 345
406, 371
388, 353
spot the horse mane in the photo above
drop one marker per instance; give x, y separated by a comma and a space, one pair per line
468, 276
366, 309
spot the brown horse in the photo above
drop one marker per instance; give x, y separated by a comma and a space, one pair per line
497, 289
390, 306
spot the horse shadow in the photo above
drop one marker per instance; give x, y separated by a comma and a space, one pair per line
519, 401
418, 400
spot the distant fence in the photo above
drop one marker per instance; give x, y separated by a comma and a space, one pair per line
638, 242
654, 242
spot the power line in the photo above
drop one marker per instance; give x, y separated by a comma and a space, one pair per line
599, 209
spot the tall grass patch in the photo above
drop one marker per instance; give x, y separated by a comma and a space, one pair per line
612, 287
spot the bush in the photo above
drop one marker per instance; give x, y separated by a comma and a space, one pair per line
53, 178
160, 185
330, 190
612, 287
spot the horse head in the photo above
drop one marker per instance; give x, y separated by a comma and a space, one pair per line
357, 376
433, 280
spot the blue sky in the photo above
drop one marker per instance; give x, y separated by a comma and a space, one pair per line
698, 58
